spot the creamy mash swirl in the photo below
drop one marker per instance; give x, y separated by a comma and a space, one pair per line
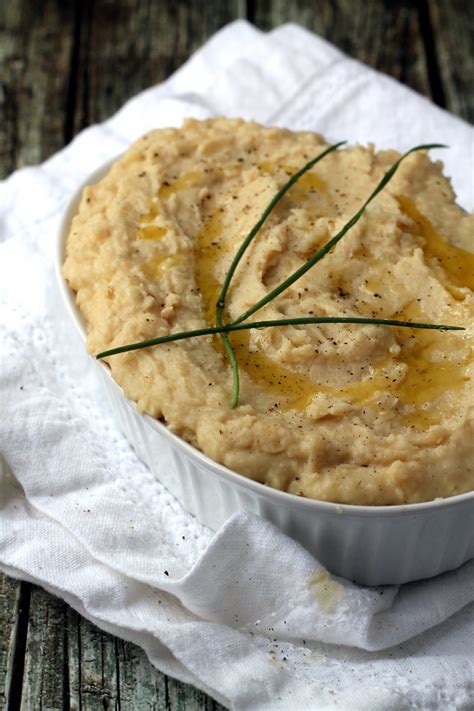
352, 414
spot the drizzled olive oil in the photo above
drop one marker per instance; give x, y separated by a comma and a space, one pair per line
457, 264
417, 376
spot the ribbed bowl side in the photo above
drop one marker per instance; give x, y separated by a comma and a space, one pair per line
404, 547
372, 546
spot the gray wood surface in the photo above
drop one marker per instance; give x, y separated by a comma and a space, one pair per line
67, 64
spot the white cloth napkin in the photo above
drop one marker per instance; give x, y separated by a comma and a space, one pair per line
233, 613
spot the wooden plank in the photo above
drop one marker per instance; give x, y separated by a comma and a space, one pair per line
144, 687
451, 33
52, 658
106, 672
183, 697
148, 41
9, 608
35, 48
94, 677
141, 686
18, 611
383, 34
44, 683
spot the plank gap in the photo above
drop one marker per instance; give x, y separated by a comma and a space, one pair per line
79, 656
118, 703
66, 670
250, 11
18, 663
167, 695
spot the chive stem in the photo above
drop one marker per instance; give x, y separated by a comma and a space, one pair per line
234, 398
240, 253
299, 321
266, 213
298, 273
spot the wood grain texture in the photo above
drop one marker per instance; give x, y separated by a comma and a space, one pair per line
11, 680
71, 664
67, 64
35, 48
452, 43
9, 608
146, 42
384, 34
142, 686
98, 667
43, 676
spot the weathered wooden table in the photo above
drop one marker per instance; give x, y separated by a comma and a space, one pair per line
68, 64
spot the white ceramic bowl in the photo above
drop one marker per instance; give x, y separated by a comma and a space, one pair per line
373, 545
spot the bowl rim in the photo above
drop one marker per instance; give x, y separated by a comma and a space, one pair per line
282, 497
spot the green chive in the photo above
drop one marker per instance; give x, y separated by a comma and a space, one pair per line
240, 253
297, 321
332, 242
